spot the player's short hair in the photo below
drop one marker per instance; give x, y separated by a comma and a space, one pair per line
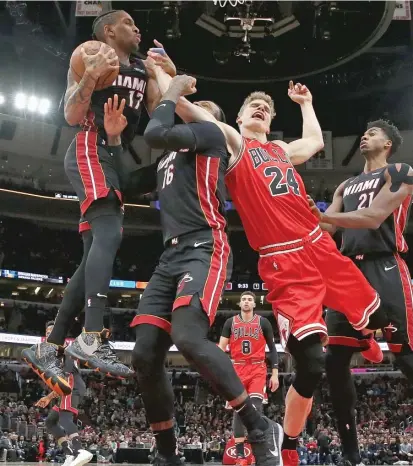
50, 323
248, 293
391, 131
258, 95
221, 115
98, 26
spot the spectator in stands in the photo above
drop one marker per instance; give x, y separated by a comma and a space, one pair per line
302, 452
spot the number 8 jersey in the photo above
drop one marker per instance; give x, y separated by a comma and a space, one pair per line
247, 341
269, 195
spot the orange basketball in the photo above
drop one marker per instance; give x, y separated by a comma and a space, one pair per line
77, 65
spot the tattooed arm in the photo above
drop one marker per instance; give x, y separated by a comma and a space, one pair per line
77, 97
398, 186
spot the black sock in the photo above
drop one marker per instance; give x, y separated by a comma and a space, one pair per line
250, 417
107, 236
73, 298
289, 443
239, 447
165, 441
76, 444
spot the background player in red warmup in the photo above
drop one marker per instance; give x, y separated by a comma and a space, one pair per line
247, 335
373, 209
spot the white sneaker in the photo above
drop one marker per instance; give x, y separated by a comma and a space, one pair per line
68, 460
83, 457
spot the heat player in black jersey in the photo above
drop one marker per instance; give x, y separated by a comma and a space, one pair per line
180, 302
93, 164
372, 208
59, 422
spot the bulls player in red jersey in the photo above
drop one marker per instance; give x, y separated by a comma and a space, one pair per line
247, 334
372, 208
300, 264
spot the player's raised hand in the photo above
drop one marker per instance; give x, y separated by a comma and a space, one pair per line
274, 383
101, 62
114, 120
299, 93
162, 59
183, 84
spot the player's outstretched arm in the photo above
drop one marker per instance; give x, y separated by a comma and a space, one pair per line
336, 206
312, 141
399, 185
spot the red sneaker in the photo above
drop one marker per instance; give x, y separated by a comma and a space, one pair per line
290, 457
373, 353
241, 462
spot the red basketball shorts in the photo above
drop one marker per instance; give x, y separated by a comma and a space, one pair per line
254, 378
304, 275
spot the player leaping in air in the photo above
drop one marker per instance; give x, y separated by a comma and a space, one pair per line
372, 208
300, 264
247, 334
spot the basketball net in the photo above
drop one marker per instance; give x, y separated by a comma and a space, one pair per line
222, 3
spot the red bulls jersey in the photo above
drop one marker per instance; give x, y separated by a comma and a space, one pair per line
269, 195
247, 341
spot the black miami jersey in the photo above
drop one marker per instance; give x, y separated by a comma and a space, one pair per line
129, 85
358, 193
191, 191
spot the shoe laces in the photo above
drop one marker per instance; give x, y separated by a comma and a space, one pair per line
106, 349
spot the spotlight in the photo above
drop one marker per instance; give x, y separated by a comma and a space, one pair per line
2, 99
44, 106
325, 35
20, 101
32, 103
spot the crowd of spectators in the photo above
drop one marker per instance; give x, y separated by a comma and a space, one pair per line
112, 417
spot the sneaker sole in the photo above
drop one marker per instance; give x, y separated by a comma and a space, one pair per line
89, 364
81, 461
57, 384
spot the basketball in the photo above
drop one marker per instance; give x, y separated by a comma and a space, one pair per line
77, 65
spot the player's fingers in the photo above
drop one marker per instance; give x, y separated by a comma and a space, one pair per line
122, 106
105, 108
113, 61
83, 52
158, 44
291, 85
110, 105
115, 102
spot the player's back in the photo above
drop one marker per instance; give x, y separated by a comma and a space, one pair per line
247, 342
358, 193
269, 195
129, 85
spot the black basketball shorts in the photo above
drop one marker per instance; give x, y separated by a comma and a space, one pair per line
92, 171
390, 277
197, 264
71, 402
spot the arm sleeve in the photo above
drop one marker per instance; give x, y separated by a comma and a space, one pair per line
162, 133
226, 329
269, 338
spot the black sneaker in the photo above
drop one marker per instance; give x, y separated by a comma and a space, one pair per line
266, 445
161, 460
46, 361
94, 351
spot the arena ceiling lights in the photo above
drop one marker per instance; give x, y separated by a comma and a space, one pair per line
31, 103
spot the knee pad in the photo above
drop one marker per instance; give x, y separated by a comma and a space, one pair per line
52, 419
309, 370
237, 426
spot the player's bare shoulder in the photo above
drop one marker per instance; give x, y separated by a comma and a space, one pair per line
399, 174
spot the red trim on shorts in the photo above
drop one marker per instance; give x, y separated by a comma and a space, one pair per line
400, 217
84, 226
217, 274
56, 408
347, 341
408, 296
182, 301
370, 309
151, 320
207, 175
